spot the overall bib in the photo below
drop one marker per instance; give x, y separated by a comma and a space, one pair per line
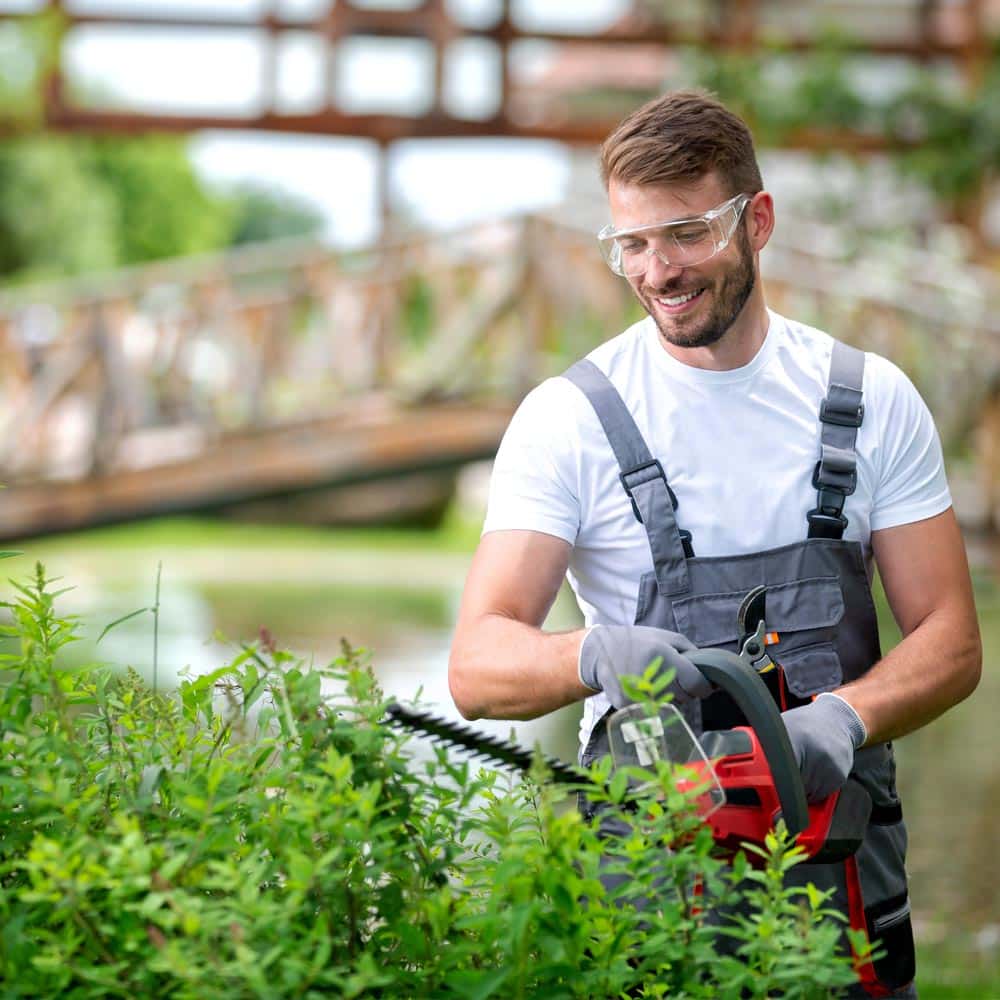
819, 602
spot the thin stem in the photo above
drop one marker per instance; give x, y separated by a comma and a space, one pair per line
156, 627
86, 925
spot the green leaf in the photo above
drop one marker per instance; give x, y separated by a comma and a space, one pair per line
150, 779
119, 621
477, 985
618, 786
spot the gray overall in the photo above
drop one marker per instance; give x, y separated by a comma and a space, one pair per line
818, 601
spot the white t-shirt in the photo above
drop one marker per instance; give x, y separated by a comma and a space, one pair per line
738, 449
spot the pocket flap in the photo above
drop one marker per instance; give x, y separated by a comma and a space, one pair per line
812, 669
710, 619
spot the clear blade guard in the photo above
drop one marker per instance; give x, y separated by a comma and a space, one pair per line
640, 737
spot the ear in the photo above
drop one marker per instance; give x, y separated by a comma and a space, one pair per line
760, 220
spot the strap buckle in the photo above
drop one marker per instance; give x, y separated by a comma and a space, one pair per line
842, 418
657, 473
826, 522
824, 488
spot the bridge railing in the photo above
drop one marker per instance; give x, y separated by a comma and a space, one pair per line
936, 316
156, 363
151, 363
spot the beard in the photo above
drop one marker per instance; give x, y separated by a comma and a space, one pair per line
730, 294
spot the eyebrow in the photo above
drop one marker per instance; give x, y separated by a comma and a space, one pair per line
633, 230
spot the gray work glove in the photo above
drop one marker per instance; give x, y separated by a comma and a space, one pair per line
610, 652
824, 735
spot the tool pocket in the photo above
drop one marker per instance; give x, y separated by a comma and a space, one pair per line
596, 748
811, 669
805, 615
881, 872
870, 890
891, 931
803, 611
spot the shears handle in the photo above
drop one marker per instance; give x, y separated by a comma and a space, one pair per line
732, 675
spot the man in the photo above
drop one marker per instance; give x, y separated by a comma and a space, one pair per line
712, 448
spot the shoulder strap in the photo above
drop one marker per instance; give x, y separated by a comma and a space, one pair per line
642, 478
836, 474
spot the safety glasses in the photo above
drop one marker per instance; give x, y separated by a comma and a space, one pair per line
680, 243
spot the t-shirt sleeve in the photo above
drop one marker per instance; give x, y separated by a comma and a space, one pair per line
534, 486
911, 483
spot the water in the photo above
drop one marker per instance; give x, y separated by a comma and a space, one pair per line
393, 595
397, 595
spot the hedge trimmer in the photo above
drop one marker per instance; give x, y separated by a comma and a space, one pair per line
745, 779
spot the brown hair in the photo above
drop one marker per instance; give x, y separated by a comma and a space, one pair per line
680, 137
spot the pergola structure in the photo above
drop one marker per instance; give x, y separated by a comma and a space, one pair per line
591, 79
924, 30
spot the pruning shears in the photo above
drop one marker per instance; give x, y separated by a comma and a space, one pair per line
754, 637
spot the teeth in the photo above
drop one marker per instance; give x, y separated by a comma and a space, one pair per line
678, 300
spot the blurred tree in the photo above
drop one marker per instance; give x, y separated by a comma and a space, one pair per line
263, 214
56, 217
73, 204
938, 131
70, 204
28, 52
164, 209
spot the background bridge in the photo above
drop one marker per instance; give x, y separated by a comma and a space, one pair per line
272, 372
290, 370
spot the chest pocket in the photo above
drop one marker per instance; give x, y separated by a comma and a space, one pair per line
804, 613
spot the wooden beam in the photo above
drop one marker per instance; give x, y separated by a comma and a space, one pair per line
389, 128
420, 23
282, 462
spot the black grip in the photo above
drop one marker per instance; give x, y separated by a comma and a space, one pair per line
742, 683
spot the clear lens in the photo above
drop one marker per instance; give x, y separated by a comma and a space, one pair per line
680, 244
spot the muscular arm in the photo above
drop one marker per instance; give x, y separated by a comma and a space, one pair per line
926, 579
502, 665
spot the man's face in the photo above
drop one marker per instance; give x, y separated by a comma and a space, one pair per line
718, 288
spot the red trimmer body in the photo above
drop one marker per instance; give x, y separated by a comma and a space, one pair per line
834, 827
754, 765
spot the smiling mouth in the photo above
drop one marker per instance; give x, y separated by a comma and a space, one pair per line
675, 303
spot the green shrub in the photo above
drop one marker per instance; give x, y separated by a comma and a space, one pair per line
262, 833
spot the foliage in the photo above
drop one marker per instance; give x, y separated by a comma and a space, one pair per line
937, 131
953, 143
71, 204
262, 833
56, 217
261, 214
418, 311
164, 210
29, 49
75, 204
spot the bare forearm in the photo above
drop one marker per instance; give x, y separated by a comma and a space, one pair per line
933, 668
501, 668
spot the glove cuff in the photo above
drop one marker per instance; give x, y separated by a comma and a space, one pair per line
586, 665
844, 711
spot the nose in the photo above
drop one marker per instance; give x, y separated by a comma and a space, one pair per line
659, 271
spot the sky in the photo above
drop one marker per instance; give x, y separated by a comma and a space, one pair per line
435, 182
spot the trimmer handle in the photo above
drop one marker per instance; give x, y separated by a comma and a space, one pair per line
742, 683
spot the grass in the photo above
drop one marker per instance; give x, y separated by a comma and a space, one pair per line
458, 534
949, 971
